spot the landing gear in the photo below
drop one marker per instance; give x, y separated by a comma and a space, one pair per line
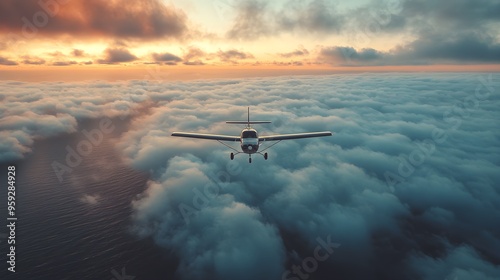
265, 156
250, 159
232, 156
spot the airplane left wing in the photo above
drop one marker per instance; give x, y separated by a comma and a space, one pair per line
207, 136
294, 136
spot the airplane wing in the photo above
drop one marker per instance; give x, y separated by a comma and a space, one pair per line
294, 136
207, 136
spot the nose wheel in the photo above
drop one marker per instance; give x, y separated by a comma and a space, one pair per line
249, 159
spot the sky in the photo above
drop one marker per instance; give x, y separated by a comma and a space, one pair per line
86, 37
406, 188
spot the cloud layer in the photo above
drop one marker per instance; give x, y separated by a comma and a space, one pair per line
408, 184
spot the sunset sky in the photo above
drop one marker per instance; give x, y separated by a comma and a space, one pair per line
188, 35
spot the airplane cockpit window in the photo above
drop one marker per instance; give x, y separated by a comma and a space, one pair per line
249, 134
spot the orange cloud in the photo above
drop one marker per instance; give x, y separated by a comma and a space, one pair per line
114, 18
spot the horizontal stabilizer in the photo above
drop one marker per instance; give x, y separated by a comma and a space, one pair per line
250, 122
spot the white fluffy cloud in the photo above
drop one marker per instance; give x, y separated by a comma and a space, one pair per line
408, 184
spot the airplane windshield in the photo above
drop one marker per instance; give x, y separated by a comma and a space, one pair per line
249, 134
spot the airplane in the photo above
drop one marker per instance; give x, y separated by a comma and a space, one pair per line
249, 139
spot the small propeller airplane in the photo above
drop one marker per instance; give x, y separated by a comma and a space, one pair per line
249, 139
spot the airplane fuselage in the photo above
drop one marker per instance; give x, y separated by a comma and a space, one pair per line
249, 140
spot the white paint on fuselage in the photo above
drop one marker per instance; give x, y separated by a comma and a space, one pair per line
249, 145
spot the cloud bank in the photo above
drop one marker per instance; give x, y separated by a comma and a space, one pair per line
408, 184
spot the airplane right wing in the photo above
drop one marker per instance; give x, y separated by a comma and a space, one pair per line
294, 136
207, 136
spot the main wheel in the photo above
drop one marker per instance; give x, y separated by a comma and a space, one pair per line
265, 156
232, 156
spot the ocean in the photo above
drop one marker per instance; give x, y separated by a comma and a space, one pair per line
62, 235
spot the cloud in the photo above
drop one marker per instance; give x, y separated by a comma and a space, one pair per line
90, 199
432, 49
250, 21
461, 262
255, 19
149, 19
436, 131
64, 63
6, 61
78, 53
166, 57
298, 52
117, 55
33, 60
236, 240
194, 63
193, 53
469, 47
31, 113
233, 55
316, 16
348, 56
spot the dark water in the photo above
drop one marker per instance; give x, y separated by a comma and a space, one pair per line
58, 236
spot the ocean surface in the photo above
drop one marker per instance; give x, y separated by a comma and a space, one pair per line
60, 235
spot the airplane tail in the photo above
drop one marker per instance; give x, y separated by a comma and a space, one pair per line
248, 122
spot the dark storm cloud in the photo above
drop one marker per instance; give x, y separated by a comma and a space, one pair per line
166, 57
6, 61
144, 19
255, 221
117, 55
